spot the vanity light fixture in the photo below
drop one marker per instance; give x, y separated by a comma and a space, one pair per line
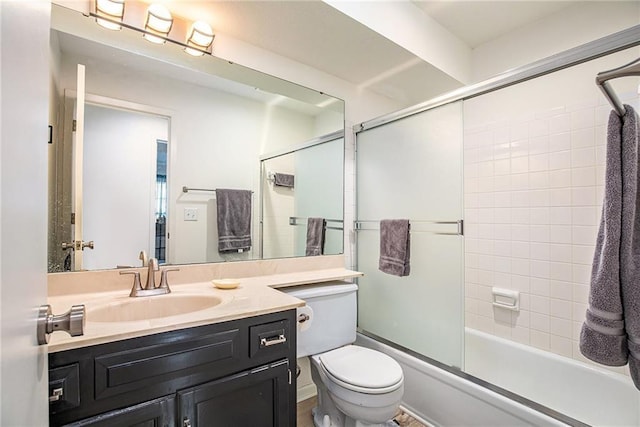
158, 24
110, 10
199, 39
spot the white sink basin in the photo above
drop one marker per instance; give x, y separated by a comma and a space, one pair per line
153, 307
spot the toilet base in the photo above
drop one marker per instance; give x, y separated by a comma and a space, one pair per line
319, 421
341, 407
328, 414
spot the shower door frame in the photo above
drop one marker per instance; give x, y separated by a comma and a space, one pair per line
598, 48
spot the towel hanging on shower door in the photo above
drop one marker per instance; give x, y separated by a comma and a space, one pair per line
611, 332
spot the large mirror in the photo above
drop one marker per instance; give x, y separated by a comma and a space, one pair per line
298, 184
142, 136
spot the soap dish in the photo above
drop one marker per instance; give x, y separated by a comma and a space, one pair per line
225, 283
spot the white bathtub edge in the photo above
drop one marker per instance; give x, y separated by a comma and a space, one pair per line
445, 399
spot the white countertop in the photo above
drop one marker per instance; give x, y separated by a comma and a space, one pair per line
255, 296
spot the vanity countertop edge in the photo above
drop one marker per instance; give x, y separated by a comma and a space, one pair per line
255, 296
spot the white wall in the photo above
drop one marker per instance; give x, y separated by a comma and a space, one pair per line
570, 27
534, 176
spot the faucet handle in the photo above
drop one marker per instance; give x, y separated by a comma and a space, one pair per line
164, 281
137, 285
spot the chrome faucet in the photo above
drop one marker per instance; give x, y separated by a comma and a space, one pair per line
152, 267
150, 287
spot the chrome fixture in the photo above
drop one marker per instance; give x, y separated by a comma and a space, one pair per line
158, 24
144, 258
199, 39
150, 287
109, 13
602, 80
71, 322
77, 245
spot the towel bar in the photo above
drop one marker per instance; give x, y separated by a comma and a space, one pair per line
298, 220
361, 225
186, 189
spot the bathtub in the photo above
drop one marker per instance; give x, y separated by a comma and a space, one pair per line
571, 389
578, 390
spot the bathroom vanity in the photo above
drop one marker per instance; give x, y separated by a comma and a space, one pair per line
236, 373
228, 360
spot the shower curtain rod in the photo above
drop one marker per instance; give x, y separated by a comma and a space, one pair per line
602, 80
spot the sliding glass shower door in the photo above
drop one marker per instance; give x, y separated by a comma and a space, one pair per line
412, 169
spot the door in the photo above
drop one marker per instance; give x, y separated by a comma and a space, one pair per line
119, 184
257, 398
412, 168
23, 209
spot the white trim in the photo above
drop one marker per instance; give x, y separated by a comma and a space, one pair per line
306, 392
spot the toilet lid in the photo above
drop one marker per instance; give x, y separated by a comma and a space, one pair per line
362, 367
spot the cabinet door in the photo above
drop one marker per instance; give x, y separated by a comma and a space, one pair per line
256, 398
155, 413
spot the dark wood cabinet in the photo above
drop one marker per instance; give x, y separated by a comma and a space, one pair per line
253, 398
236, 373
155, 413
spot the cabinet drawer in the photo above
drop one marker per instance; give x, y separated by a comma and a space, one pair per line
144, 366
64, 388
156, 413
269, 340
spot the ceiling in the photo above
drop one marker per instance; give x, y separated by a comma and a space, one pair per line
314, 33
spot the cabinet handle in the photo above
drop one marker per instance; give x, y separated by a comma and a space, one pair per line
55, 395
186, 422
266, 342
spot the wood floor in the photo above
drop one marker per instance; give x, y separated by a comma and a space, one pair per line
305, 420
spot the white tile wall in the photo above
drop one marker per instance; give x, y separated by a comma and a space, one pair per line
533, 192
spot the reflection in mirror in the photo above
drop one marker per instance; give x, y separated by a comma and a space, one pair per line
298, 185
157, 120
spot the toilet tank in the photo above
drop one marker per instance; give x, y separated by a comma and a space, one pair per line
333, 322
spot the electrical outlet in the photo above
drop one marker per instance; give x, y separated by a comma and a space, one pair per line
190, 214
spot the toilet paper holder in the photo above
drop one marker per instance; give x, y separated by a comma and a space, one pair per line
303, 317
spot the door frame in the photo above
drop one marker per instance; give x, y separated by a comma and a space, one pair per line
170, 115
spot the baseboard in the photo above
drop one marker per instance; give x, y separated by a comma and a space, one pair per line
306, 392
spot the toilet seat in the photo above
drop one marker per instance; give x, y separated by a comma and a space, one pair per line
362, 370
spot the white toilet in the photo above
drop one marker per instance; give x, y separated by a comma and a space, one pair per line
356, 386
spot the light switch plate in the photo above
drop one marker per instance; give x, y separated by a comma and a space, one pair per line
190, 214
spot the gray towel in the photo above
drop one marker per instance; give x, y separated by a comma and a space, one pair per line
611, 332
395, 245
234, 220
630, 241
283, 180
315, 236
